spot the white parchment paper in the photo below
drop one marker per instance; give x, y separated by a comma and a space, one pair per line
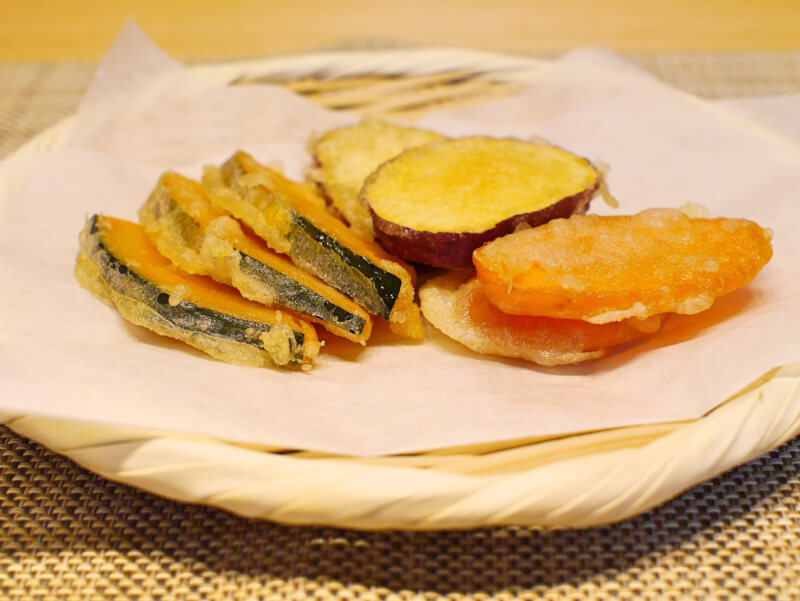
64, 353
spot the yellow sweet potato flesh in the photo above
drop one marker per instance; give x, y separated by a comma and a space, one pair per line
470, 185
437, 203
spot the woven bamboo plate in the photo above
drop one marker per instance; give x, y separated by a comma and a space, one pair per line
575, 481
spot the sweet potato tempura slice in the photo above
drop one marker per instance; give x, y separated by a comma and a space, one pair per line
603, 269
344, 157
456, 305
436, 203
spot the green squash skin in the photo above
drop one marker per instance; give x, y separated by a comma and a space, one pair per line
367, 284
286, 291
297, 297
185, 316
373, 288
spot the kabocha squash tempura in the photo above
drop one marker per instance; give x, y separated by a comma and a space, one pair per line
282, 213
118, 263
202, 239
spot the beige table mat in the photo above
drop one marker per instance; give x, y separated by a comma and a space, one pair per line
68, 534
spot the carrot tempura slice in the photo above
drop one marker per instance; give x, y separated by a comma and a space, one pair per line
604, 269
456, 305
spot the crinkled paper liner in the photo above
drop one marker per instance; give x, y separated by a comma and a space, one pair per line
576, 481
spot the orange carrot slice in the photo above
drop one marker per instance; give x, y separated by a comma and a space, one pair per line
458, 307
603, 269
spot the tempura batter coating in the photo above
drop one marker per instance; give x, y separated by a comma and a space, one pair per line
119, 264
456, 305
603, 269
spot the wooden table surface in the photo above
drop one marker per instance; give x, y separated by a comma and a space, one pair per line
38, 30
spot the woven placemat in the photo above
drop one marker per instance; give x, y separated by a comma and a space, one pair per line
68, 534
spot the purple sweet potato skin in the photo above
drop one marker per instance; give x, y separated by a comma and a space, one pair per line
453, 250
